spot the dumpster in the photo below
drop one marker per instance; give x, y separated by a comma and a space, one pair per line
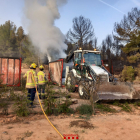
57, 70
10, 71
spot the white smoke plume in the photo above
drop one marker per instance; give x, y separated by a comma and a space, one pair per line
40, 17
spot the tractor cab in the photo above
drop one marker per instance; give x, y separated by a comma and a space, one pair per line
84, 58
87, 57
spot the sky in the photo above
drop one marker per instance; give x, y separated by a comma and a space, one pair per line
102, 13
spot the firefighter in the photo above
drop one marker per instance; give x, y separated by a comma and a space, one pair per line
41, 82
30, 83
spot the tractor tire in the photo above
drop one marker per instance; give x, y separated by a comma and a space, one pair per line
83, 90
70, 82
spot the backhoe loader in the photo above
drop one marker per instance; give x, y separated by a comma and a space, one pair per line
87, 73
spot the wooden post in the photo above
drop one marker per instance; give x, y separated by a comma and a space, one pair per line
91, 100
66, 74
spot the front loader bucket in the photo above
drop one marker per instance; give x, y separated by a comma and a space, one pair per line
122, 90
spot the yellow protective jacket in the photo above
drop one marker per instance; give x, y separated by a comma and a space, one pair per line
29, 79
41, 78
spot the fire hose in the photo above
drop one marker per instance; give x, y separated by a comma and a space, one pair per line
44, 111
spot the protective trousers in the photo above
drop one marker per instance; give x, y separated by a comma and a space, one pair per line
31, 95
41, 90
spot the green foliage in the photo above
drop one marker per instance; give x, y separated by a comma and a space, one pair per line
53, 105
20, 104
128, 74
7, 38
70, 87
134, 58
4, 100
137, 103
104, 107
20, 35
125, 106
137, 72
49, 101
28, 51
64, 108
127, 31
19, 101
13, 42
85, 109
49, 105
4, 106
6, 96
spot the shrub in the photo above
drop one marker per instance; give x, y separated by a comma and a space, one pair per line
128, 74
4, 107
134, 58
7, 96
4, 99
137, 71
55, 106
85, 109
64, 108
21, 105
49, 102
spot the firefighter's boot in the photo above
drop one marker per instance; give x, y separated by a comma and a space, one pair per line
39, 96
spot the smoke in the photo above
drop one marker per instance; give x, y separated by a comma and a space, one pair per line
40, 17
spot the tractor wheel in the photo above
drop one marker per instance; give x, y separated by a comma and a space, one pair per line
83, 90
70, 82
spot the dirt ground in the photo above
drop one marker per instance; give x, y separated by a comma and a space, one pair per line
105, 127
102, 126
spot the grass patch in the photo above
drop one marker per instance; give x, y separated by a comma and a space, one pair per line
104, 108
84, 109
124, 106
137, 103
87, 117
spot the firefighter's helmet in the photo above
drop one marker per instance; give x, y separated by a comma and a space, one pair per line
41, 67
33, 65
